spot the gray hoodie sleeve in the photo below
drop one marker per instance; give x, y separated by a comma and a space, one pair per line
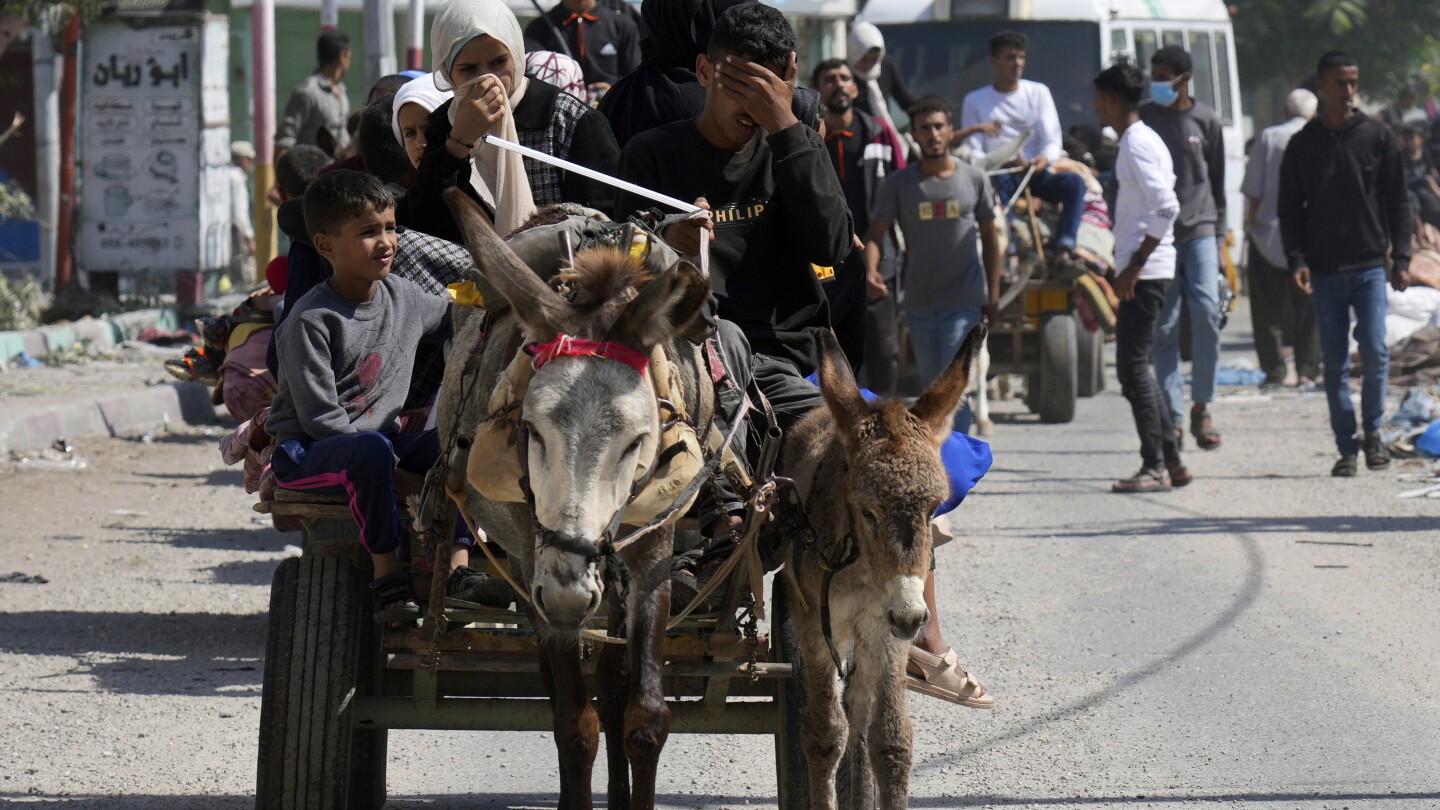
305, 356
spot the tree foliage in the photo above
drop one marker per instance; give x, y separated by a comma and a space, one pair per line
1282, 39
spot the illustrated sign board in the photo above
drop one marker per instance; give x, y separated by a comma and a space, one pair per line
154, 194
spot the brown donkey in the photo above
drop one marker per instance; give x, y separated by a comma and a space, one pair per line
870, 478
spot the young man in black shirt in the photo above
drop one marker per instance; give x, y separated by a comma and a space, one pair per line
779, 224
1343, 204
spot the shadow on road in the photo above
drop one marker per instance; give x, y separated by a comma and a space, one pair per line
257, 539
1212, 524
143, 653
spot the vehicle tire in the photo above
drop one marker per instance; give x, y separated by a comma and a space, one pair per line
792, 772
1032, 392
1059, 367
1091, 348
318, 647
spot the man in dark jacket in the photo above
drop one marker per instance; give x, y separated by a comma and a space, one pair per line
779, 222
863, 151
606, 44
1343, 205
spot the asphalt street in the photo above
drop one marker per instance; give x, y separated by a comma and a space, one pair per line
1264, 638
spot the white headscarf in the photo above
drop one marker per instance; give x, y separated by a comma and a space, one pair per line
497, 174
559, 70
864, 37
422, 92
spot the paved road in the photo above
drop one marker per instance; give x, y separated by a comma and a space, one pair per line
1265, 638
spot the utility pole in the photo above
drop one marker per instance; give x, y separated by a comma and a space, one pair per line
65, 217
47, 154
379, 40
415, 53
262, 54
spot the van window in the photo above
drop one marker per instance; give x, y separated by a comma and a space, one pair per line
1203, 71
1145, 47
1119, 44
1172, 37
1222, 73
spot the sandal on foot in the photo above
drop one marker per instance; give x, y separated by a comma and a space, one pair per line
1203, 428
468, 585
1345, 467
196, 366
945, 679
395, 601
1144, 481
1179, 476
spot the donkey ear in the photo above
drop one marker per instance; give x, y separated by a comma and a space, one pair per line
539, 308
842, 395
663, 308
936, 407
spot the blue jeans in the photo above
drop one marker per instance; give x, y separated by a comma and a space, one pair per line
1197, 276
1335, 295
1062, 188
935, 336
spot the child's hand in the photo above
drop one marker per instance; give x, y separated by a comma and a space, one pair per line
765, 96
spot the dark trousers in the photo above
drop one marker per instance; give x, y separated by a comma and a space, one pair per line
1280, 313
882, 345
1134, 359
846, 294
362, 466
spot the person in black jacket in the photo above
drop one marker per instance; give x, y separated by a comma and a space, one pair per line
606, 44
779, 219
1343, 205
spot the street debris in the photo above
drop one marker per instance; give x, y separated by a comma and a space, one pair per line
24, 579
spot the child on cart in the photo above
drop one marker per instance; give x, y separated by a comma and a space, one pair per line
345, 358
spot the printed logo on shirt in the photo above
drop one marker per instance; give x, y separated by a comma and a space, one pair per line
1193, 139
736, 213
823, 273
608, 50
944, 209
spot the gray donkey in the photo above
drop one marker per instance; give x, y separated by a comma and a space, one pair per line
591, 424
870, 478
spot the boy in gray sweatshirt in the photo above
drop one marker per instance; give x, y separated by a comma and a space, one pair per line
346, 352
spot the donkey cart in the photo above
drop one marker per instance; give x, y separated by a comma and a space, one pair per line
335, 683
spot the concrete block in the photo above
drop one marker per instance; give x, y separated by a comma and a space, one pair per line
115, 413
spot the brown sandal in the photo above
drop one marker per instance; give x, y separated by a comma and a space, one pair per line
1203, 429
1144, 481
945, 679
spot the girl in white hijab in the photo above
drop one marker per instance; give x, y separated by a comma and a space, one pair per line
410, 113
481, 51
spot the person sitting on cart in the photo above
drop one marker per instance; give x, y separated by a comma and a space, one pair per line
346, 353
1018, 105
778, 216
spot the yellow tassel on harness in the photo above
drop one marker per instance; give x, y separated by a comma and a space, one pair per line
466, 294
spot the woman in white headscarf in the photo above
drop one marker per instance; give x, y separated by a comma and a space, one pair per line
876, 73
479, 53
410, 113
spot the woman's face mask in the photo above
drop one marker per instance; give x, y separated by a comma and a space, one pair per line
1164, 93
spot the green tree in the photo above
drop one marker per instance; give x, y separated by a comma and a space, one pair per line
1282, 39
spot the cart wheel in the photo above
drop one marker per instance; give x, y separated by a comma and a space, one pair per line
309, 757
1059, 363
1091, 348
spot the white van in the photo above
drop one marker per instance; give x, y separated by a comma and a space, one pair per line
940, 47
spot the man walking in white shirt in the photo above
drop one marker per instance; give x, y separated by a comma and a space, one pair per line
1016, 105
1144, 216
1272, 290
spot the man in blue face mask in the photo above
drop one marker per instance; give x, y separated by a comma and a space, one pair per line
1192, 132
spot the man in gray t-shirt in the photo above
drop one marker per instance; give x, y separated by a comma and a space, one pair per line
939, 203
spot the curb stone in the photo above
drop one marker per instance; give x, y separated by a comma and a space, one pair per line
113, 413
